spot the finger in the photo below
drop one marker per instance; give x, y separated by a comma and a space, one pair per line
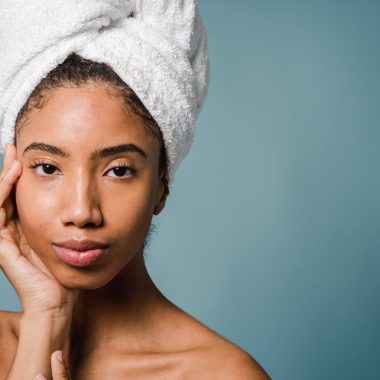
8, 180
3, 217
40, 377
9, 208
58, 367
9, 155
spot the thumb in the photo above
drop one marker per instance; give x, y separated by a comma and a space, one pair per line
40, 377
58, 367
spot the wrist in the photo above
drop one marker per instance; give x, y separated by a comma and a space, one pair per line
52, 324
46, 315
63, 310
48, 320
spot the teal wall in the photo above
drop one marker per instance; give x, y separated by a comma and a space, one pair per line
271, 232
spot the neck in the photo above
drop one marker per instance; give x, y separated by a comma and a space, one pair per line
123, 310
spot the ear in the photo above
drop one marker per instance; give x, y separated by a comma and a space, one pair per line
162, 194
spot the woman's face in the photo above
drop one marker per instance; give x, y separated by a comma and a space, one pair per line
90, 172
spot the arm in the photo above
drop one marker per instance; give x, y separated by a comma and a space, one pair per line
40, 336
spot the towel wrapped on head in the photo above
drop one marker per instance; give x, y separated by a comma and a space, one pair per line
157, 47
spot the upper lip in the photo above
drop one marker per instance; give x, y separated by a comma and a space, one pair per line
81, 245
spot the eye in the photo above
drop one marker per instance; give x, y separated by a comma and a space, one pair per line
45, 169
121, 171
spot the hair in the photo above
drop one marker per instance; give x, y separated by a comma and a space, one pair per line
77, 71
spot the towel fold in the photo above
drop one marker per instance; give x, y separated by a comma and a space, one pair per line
157, 47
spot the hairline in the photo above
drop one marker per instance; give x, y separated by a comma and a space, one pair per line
110, 88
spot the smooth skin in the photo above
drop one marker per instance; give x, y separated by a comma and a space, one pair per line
107, 320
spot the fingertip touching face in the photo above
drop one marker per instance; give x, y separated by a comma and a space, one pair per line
90, 173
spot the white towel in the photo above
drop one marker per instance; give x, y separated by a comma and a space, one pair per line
157, 47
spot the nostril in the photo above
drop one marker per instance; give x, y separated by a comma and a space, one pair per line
92, 224
82, 215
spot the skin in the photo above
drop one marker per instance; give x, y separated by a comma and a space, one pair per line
117, 324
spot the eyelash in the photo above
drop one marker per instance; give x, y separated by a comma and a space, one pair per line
130, 168
38, 164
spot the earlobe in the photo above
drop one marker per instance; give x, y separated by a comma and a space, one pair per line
164, 192
161, 204
158, 209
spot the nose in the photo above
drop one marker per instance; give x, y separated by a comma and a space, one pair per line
82, 204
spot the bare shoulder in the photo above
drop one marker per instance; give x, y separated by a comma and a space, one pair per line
219, 359
230, 362
9, 327
236, 363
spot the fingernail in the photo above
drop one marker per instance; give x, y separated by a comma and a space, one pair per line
58, 356
40, 377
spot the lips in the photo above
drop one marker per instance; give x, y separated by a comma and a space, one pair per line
80, 253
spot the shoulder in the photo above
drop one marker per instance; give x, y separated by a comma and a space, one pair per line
230, 362
215, 357
238, 364
188, 349
9, 328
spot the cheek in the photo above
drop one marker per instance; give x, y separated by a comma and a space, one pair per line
35, 207
133, 200
129, 211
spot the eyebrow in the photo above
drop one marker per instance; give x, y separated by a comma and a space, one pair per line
97, 154
45, 148
112, 150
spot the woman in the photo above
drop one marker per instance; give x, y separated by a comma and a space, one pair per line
88, 169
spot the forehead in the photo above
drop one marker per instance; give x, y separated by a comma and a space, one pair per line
92, 114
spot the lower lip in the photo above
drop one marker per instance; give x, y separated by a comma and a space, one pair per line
79, 258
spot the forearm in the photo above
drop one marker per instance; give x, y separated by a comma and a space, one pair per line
40, 336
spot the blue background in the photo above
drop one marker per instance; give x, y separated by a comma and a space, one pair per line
271, 232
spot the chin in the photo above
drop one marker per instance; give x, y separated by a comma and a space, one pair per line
81, 285
79, 279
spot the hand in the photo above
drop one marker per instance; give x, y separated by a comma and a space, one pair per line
58, 368
36, 287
